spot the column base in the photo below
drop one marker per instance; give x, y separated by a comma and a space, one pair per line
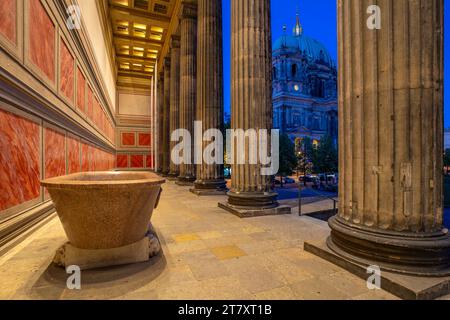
165, 174
419, 254
254, 204
403, 286
86, 259
172, 176
185, 181
209, 188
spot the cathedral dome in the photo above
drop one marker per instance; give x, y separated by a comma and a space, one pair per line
309, 46
300, 42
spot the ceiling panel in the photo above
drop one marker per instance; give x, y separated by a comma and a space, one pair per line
140, 28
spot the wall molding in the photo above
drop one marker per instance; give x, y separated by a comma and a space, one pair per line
19, 226
81, 41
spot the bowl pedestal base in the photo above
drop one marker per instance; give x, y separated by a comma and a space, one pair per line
85, 259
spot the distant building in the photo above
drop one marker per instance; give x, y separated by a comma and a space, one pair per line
304, 87
447, 138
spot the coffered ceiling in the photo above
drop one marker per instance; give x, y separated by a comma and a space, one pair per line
140, 29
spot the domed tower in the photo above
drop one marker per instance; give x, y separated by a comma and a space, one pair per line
304, 86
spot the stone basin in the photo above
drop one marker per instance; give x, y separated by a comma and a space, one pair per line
105, 210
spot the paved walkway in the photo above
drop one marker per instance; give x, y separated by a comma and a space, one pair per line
207, 254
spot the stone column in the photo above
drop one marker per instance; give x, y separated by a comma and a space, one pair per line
390, 138
160, 122
210, 177
174, 97
166, 119
188, 70
251, 90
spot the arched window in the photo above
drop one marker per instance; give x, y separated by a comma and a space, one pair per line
294, 70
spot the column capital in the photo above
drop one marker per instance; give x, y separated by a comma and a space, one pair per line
166, 61
175, 41
188, 10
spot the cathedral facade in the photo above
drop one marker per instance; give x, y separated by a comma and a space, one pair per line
304, 87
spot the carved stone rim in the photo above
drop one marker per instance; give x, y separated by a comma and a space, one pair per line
104, 179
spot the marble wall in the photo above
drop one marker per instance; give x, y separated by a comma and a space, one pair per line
85, 157
81, 91
128, 139
19, 160
69, 127
134, 149
54, 153
122, 161
73, 155
141, 161
8, 25
66, 74
32, 149
61, 153
145, 139
41, 47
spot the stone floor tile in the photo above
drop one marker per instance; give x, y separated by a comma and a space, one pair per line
186, 237
376, 295
228, 252
210, 235
315, 289
282, 293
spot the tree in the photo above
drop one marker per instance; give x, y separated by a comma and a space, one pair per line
288, 159
325, 156
304, 156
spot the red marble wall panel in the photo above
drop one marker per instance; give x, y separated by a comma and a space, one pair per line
81, 91
128, 139
122, 161
96, 159
102, 121
137, 161
112, 160
54, 153
90, 105
144, 139
19, 160
95, 115
66, 71
84, 157
8, 16
41, 39
149, 161
101, 160
91, 155
111, 132
73, 155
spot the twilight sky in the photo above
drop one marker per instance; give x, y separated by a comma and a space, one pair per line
318, 18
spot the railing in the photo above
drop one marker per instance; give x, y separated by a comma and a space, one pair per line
320, 195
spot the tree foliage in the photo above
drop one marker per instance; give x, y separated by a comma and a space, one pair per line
288, 159
325, 156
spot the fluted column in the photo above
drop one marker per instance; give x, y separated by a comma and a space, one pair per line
188, 70
251, 94
210, 177
174, 97
166, 119
160, 121
390, 132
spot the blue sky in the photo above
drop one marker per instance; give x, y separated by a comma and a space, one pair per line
318, 18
